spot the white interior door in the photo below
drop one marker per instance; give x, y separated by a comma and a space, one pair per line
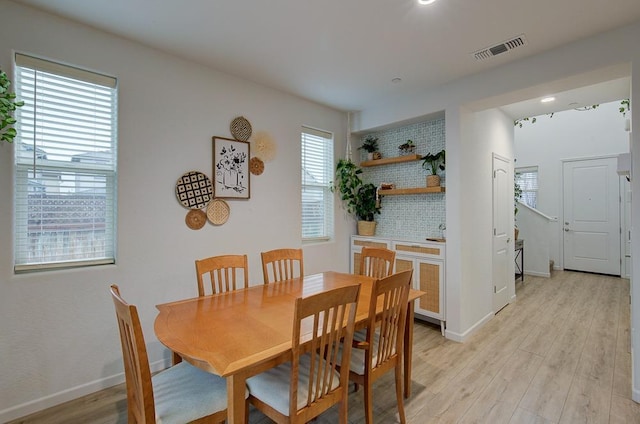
502, 231
592, 216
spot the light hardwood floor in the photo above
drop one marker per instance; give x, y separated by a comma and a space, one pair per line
559, 354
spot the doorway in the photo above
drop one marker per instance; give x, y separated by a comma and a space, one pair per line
591, 216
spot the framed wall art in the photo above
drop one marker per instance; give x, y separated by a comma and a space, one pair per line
230, 168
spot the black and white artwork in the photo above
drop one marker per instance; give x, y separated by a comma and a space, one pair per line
230, 168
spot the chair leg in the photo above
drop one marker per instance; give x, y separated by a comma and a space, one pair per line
368, 401
343, 412
399, 397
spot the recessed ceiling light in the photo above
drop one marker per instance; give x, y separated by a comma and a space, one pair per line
426, 1
548, 99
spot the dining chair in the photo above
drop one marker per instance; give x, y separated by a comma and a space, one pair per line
179, 394
377, 262
379, 348
280, 264
222, 273
309, 383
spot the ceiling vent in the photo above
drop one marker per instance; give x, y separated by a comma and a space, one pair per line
503, 47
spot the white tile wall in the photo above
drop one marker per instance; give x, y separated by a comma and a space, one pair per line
413, 217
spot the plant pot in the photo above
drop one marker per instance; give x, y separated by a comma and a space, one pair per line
433, 180
370, 156
366, 228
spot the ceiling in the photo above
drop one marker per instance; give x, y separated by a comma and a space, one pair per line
347, 53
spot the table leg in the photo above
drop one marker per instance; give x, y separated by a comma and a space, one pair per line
408, 350
236, 389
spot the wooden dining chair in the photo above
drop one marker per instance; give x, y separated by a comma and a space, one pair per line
179, 394
379, 349
222, 273
280, 264
310, 383
377, 262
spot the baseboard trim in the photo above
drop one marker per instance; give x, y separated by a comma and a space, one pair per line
462, 337
72, 393
538, 274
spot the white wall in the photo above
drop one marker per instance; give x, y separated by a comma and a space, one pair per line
58, 334
488, 132
567, 135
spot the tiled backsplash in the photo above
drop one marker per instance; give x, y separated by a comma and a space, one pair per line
416, 216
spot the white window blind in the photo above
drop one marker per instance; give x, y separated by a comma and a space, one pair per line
317, 172
65, 155
527, 179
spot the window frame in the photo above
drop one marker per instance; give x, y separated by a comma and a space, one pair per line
528, 192
82, 157
323, 187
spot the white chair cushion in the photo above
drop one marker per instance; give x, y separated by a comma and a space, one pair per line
272, 386
184, 393
357, 355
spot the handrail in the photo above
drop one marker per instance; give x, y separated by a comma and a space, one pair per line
536, 211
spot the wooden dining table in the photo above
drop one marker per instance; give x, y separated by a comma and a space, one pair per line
241, 333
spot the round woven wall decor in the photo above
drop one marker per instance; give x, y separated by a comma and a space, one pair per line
194, 190
195, 219
241, 128
218, 212
263, 146
256, 166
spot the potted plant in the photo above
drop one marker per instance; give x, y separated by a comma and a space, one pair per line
359, 198
7, 106
407, 148
370, 145
433, 162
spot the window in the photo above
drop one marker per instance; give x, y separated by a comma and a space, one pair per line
317, 198
527, 179
65, 153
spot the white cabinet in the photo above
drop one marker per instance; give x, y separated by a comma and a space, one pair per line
427, 260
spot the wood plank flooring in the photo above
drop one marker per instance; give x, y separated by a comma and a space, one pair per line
560, 354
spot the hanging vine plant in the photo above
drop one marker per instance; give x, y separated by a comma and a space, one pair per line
8, 105
625, 106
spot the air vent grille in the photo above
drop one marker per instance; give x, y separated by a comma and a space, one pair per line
500, 48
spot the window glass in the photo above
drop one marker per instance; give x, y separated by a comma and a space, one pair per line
65, 156
527, 179
317, 198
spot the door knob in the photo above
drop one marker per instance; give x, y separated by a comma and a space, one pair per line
566, 230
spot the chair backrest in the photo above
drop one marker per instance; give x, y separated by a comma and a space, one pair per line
140, 403
280, 264
324, 315
392, 294
377, 262
222, 273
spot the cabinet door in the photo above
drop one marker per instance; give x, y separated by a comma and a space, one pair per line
430, 280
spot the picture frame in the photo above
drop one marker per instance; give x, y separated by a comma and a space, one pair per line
231, 176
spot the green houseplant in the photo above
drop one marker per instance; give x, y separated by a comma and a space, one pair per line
432, 162
359, 198
370, 145
7, 105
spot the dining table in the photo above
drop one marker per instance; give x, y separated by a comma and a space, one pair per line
241, 333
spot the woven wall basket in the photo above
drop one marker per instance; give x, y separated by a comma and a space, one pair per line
366, 228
